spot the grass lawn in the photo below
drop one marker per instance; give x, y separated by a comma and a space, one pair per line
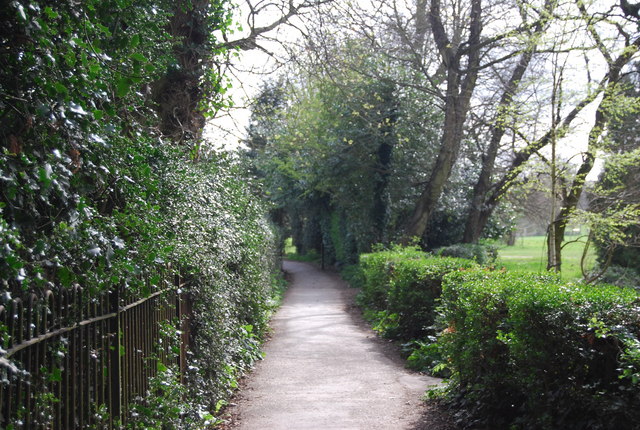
529, 254
291, 253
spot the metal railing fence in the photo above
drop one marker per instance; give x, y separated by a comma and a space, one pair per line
74, 359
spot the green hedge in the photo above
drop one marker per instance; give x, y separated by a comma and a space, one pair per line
480, 253
403, 284
377, 268
528, 351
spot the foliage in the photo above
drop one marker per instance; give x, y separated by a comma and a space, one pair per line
222, 238
485, 255
166, 403
77, 141
427, 356
377, 272
338, 153
404, 284
529, 351
94, 194
616, 205
354, 275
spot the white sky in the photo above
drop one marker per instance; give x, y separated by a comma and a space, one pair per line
253, 67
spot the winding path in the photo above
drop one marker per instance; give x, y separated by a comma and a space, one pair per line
324, 370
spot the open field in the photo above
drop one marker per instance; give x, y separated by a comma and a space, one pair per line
529, 254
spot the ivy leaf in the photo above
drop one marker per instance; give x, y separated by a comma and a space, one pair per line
76, 108
44, 174
21, 13
95, 68
52, 14
61, 89
139, 57
56, 375
123, 86
65, 277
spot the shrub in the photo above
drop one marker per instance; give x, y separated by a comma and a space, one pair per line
222, 238
480, 253
354, 275
426, 356
528, 351
377, 268
403, 285
415, 288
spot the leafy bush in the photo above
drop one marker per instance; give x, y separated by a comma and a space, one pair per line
415, 287
426, 356
621, 276
354, 275
220, 234
99, 190
528, 351
377, 270
405, 284
482, 254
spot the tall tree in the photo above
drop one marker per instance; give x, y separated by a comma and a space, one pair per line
477, 218
607, 108
461, 65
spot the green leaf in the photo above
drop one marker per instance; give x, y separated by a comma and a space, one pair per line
21, 13
65, 277
70, 58
61, 89
139, 57
13, 262
135, 40
56, 375
44, 174
123, 86
104, 29
95, 68
98, 114
161, 367
52, 14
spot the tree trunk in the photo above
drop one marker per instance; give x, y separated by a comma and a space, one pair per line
570, 202
478, 213
384, 155
460, 88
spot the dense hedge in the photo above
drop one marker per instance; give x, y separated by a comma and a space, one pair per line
529, 351
485, 255
99, 190
523, 351
221, 235
403, 284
